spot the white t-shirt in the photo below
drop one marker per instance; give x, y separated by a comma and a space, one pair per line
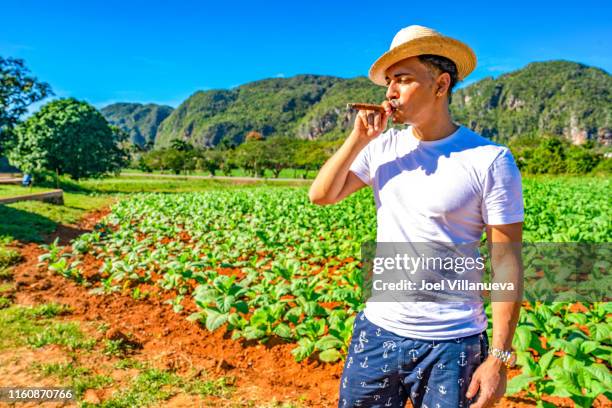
444, 190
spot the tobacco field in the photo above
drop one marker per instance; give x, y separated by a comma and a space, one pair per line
265, 262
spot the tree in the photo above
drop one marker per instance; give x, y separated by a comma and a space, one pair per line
181, 145
70, 137
581, 160
18, 90
280, 152
548, 157
252, 156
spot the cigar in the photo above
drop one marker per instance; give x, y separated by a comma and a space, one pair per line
365, 106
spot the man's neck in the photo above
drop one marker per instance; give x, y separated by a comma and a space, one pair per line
438, 127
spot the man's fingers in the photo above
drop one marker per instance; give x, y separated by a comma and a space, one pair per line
485, 400
473, 388
371, 116
377, 121
363, 119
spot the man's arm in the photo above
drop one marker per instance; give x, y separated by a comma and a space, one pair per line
490, 377
334, 181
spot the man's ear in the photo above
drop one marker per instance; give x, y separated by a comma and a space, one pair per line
443, 83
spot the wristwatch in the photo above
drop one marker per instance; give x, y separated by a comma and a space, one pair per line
508, 357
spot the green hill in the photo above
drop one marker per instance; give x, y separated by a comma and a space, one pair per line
270, 106
555, 97
140, 121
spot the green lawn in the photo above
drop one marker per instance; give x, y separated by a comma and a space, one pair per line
137, 184
10, 190
28, 221
285, 173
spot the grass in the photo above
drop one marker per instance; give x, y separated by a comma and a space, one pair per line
285, 173
29, 221
8, 257
79, 379
118, 348
178, 184
12, 190
63, 334
153, 386
21, 325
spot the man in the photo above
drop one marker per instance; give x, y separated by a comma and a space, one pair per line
434, 181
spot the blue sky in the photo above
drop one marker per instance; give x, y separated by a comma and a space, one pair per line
162, 51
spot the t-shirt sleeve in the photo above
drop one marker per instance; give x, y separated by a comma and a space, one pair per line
361, 165
503, 192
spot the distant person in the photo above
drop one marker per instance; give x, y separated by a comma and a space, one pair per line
434, 181
27, 180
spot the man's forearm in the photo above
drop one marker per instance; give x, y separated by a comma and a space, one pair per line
505, 318
328, 183
507, 268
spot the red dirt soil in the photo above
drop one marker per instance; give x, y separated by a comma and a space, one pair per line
262, 372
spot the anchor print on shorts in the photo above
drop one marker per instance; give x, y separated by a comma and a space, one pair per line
385, 369
384, 383
388, 404
344, 382
378, 332
388, 345
419, 373
413, 354
350, 362
362, 340
442, 390
364, 363
462, 361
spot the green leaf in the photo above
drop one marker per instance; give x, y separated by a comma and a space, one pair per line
214, 319
330, 355
327, 342
519, 383
601, 373
545, 361
253, 333
283, 330
522, 338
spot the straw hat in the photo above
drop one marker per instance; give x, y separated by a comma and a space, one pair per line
418, 40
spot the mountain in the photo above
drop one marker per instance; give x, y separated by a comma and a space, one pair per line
140, 121
556, 97
270, 106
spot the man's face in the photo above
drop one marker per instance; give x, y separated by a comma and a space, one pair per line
414, 88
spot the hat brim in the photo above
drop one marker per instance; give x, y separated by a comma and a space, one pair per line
458, 52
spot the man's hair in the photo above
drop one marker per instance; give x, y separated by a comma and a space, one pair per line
440, 65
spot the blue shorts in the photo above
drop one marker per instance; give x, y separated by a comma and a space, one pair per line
383, 369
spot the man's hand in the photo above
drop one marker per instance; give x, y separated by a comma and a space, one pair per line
490, 379
370, 124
